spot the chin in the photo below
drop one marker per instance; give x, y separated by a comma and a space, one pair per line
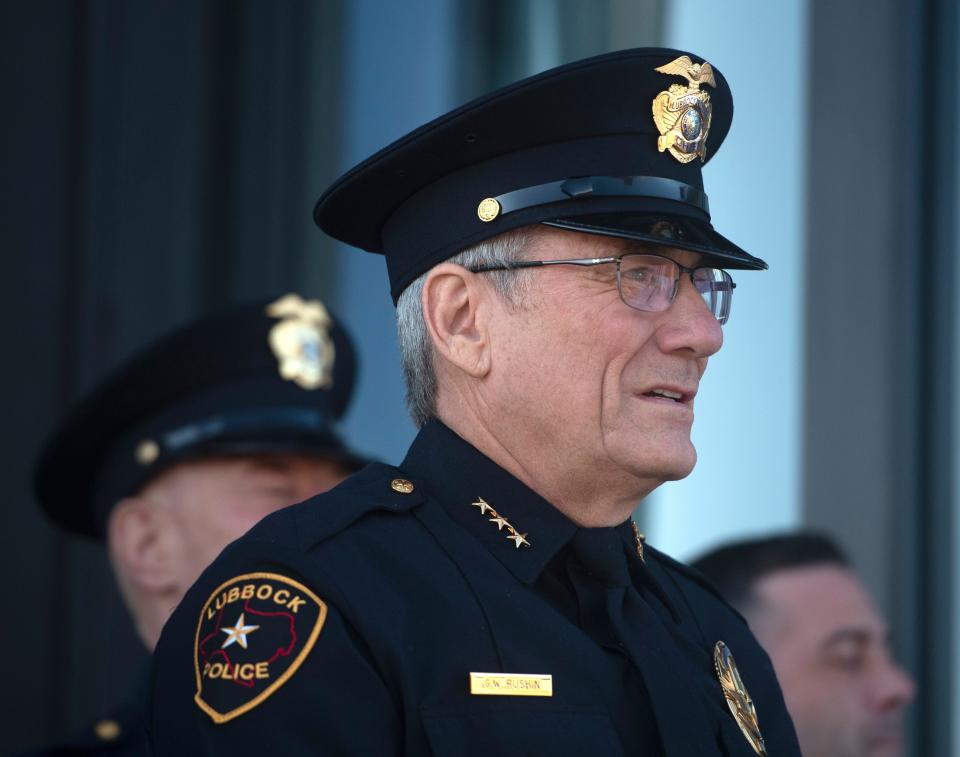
677, 470
671, 464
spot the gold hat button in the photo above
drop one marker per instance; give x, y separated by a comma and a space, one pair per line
107, 730
401, 485
147, 452
488, 209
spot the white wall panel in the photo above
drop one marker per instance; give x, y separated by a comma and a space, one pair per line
748, 428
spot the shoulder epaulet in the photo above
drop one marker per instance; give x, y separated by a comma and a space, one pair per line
377, 487
693, 574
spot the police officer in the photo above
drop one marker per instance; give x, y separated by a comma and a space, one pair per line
186, 447
559, 289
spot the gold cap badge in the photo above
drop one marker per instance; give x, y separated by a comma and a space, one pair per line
738, 700
682, 114
301, 341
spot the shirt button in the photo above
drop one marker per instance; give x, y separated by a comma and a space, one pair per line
107, 730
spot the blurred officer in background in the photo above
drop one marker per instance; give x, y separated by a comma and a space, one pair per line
829, 646
187, 446
559, 290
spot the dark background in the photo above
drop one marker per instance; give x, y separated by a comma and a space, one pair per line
151, 153
160, 160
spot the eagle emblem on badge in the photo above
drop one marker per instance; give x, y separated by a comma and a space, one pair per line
738, 700
682, 114
301, 341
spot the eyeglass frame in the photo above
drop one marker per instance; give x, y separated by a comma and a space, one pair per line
521, 264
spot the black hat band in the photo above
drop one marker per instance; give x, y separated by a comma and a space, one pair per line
657, 187
272, 429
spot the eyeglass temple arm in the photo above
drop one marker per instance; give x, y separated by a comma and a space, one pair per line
537, 263
716, 286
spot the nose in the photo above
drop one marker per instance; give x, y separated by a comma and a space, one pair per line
688, 325
893, 688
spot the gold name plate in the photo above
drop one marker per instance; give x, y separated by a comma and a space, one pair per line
511, 685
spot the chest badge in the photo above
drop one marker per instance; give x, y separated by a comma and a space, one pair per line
682, 114
301, 341
738, 700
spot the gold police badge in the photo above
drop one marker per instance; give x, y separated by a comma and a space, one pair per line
301, 341
738, 700
682, 114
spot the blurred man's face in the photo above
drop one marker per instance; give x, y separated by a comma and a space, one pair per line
213, 501
831, 653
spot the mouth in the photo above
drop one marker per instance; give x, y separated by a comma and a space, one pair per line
885, 736
670, 394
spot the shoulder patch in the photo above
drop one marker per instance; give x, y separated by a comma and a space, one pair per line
254, 632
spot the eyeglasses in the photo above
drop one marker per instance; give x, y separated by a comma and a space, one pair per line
649, 282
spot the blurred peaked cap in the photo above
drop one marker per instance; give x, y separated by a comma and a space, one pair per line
577, 147
273, 376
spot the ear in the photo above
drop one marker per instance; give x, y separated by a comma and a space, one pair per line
141, 545
456, 307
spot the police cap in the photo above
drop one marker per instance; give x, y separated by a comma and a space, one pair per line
608, 145
267, 377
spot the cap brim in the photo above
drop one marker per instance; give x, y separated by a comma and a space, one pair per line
328, 447
672, 231
269, 442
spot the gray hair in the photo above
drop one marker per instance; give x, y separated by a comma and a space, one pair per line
416, 349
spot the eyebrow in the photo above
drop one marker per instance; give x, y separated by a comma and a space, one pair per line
856, 635
268, 464
642, 247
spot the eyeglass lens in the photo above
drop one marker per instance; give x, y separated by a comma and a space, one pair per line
650, 283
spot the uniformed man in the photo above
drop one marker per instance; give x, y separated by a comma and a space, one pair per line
559, 289
829, 646
186, 447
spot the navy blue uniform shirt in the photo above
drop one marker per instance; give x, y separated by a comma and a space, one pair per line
351, 624
120, 734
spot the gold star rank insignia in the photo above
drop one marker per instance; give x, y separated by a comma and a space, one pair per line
484, 507
500, 521
519, 539
738, 700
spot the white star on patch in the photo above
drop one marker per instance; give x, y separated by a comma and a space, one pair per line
238, 633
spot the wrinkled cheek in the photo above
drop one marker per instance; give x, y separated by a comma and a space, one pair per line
615, 401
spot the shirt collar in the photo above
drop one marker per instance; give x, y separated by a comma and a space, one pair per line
458, 475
